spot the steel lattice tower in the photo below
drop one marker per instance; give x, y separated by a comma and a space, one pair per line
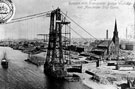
55, 62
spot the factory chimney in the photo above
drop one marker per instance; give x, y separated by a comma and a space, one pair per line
106, 34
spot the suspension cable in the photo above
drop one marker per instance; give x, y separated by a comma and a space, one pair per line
77, 33
20, 20
43, 14
28, 17
79, 25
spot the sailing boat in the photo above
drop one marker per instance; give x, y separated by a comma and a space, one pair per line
4, 62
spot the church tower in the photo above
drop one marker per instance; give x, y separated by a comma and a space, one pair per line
115, 39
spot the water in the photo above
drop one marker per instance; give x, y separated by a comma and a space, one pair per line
23, 75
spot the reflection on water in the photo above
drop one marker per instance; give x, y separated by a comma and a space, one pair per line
5, 78
22, 75
55, 84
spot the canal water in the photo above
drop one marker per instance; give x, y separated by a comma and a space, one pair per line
23, 75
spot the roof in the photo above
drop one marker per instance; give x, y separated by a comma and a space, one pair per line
94, 55
105, 43
99, 50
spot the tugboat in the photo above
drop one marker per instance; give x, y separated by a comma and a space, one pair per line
4, 62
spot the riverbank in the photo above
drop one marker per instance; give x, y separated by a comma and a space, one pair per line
90, 84
24, 75
109, 78
94, 85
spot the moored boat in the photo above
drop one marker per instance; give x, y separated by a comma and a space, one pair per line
4, 62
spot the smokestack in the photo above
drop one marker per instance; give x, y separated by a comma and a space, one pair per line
106, 34
126, 33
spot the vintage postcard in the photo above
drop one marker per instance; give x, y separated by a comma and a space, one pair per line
67, 44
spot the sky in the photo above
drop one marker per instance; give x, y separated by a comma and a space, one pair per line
95, 16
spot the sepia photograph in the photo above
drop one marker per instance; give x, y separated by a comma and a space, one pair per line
67, 44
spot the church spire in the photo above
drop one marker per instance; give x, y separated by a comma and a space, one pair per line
115, 33
115, 39
115, 29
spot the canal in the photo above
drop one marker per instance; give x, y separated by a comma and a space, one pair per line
23, 75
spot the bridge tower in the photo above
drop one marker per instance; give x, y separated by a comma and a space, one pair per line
55, 62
